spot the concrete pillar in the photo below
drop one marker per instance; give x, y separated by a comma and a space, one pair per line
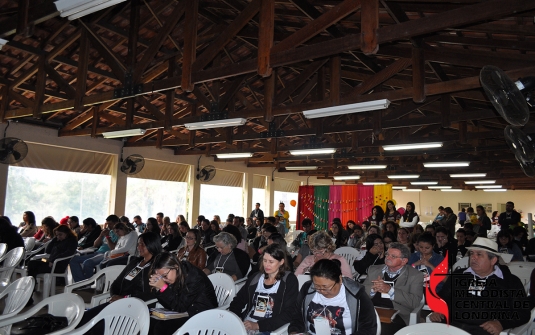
270, 197
118, 190
194, 202
4, 168
248, 180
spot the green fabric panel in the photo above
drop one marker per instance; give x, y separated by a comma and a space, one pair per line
321, 207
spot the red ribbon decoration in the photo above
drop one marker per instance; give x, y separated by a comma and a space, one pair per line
435, 303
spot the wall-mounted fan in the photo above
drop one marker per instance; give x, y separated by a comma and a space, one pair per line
133, 164
207, 173
12, 150
512, 100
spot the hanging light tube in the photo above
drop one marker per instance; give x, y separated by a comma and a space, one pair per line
412, 146
312, 152
215, 124
74, 9
235, 155
347, 109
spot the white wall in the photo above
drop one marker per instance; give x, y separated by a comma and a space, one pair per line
524, 200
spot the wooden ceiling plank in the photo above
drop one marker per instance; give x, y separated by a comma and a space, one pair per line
335, 80
36, 14
81, 74
62, 83
292, 86
158, 40
40, 85
418, 74
190, 43
230, 32
266, 31
231, 89
318, 25
170, 97
152, 109
369, 24
94, 125
113, 119
203, 100
21, 98
270, 88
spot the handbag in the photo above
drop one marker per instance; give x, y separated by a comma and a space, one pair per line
41, 324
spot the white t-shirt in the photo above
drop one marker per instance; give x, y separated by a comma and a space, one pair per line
263, 301
334, 309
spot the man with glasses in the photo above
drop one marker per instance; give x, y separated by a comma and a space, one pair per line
395, 285
486, 298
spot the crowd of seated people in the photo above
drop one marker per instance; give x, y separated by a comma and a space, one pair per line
170, 261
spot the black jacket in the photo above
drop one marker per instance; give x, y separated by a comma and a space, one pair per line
138, 287
197, 295
10, 237
284, 301
59, 249
172, 242
368, 260
87, 240
363, 317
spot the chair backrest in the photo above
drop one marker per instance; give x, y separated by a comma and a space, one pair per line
13, 257
301, 279
3, 249
214, 321
431, 328
29, 243
378, 320
224, 288
110, 273
129, 316
461, 263
17, 295
350, 254
523, 271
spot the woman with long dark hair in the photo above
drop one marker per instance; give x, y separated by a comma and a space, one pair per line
377, 216
9, 235
274, 287
152, 226
180, 287
46, 233
391, 214
338, 232
28, 225
173, 239
410, 218
192, 251
375, 254
483, 225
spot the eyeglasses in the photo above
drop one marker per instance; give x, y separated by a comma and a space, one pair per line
324, 289
392, 256
318, 252
165, 275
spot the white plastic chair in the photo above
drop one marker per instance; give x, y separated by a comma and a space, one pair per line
49, 279
302, 279
462, 263
523, 271
68, 305
415, 314
129, 316
29, 243
351, 255
378, 321
214, 321
240, 282
525, 329
108, 275
431, 328
224, 289
11, 260
3, 249
22, 269
16, 296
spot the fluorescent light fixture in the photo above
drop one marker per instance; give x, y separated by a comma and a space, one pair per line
124, 133
366, 167
446, 164
312, 152
475, 182
370, 183
424, 182
412, 190
495, 190
468, 175
347, 109
215, 124
235, 155
412, 146
346, 177
2, 43
399, 187
407, 176
451, 190
298, 168
488, 186
74, 9
438, 187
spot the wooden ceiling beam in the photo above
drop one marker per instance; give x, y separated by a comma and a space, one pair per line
299, 80
266, 31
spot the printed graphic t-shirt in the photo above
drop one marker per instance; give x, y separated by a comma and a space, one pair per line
263, 301
335, 310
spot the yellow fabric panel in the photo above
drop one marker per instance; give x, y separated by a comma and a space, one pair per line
287, 185
159, 170
382, 193
50, 157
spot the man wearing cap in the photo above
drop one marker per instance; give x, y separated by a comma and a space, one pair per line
510, 217
486, 298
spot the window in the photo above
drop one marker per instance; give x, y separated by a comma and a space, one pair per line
286, 197
220, 200
57, 194
259, 195
146, 197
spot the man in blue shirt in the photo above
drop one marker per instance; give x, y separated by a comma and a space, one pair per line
82, 265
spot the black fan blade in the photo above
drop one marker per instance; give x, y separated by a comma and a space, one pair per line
133, 169
16, 155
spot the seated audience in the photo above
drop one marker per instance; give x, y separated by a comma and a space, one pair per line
350, 226
388, 238
252, 230
477, 286
227, 258
356, 238
46, 233
374, 230
124, 248
425, 259
152, 226
506, 245
391, 226
214, 225
260, 242
181, 287
82, 265
235, 231
133, 281
520, 237
88, 234
377, 216
331, 296
375, 254
470, 235
274, 287
62, 245
28, 227
278, 239
192, 251
395, 285
444, 243
9, 234
184, 227
418, 229
449, 221
207, 234
430, 229
164, 229
462, 243
173, 239
410, 218
322, 247
339, 233
483, 223
138, 223
404, 236
74, 224
307, 231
